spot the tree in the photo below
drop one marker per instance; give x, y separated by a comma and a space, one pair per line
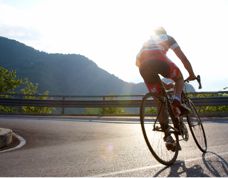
9, 84
8, 81
29, 91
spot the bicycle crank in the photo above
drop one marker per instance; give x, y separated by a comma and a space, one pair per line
183, 130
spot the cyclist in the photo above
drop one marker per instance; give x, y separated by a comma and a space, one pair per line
152, 60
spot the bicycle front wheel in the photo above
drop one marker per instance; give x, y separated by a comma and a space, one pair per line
196, 128
153, 134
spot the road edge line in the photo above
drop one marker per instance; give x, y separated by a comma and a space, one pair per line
21, 144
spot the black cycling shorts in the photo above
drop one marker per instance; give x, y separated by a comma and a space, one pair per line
150, 69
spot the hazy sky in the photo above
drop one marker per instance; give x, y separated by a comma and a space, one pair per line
111, 32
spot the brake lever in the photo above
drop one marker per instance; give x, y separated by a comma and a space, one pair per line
198, 80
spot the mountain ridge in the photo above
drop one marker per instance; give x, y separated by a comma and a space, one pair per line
62, 74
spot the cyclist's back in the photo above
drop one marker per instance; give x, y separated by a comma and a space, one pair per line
152, 60
159, 44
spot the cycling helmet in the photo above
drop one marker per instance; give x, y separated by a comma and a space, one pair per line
160, 31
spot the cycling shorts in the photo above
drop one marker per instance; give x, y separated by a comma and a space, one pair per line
156, 63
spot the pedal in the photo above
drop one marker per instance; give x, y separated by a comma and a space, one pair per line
171, 147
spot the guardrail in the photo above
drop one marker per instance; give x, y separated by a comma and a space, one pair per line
211, 101
133, 101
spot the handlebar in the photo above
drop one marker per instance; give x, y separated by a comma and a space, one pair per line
198, 80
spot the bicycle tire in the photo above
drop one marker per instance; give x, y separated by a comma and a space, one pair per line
196, 128
154, 139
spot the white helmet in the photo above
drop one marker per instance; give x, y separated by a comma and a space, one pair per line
160, 31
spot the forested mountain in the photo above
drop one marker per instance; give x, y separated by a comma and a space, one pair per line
63, 74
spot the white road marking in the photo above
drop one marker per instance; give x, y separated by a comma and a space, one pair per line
128, 171
151, 167
21, 144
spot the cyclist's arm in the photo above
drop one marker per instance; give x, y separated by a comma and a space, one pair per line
137, 62
185, 62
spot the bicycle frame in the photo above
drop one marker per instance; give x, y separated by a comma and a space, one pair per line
165, 99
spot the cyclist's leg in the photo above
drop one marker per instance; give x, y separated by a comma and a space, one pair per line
149, 71
176, 75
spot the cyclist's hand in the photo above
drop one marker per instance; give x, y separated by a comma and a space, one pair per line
191, 77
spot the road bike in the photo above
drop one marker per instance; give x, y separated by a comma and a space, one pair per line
152, 130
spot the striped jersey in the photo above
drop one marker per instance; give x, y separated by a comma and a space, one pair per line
160, 42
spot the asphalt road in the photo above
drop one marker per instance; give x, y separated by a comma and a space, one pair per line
62, 146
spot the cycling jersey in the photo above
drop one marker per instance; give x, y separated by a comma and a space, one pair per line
152, 60
159, 44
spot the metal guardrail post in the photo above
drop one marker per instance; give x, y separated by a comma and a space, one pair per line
63, 107
103, 107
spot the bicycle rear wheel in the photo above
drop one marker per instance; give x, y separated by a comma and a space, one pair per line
196, 128
153, 134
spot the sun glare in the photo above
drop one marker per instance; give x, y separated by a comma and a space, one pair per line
112, 32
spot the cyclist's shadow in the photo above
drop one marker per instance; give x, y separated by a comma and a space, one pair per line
217, 165
179, 169
213, 164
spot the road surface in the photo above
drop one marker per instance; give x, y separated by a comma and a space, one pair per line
68, 146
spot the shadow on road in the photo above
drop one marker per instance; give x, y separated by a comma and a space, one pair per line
217, 166
213, 164
179, 169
